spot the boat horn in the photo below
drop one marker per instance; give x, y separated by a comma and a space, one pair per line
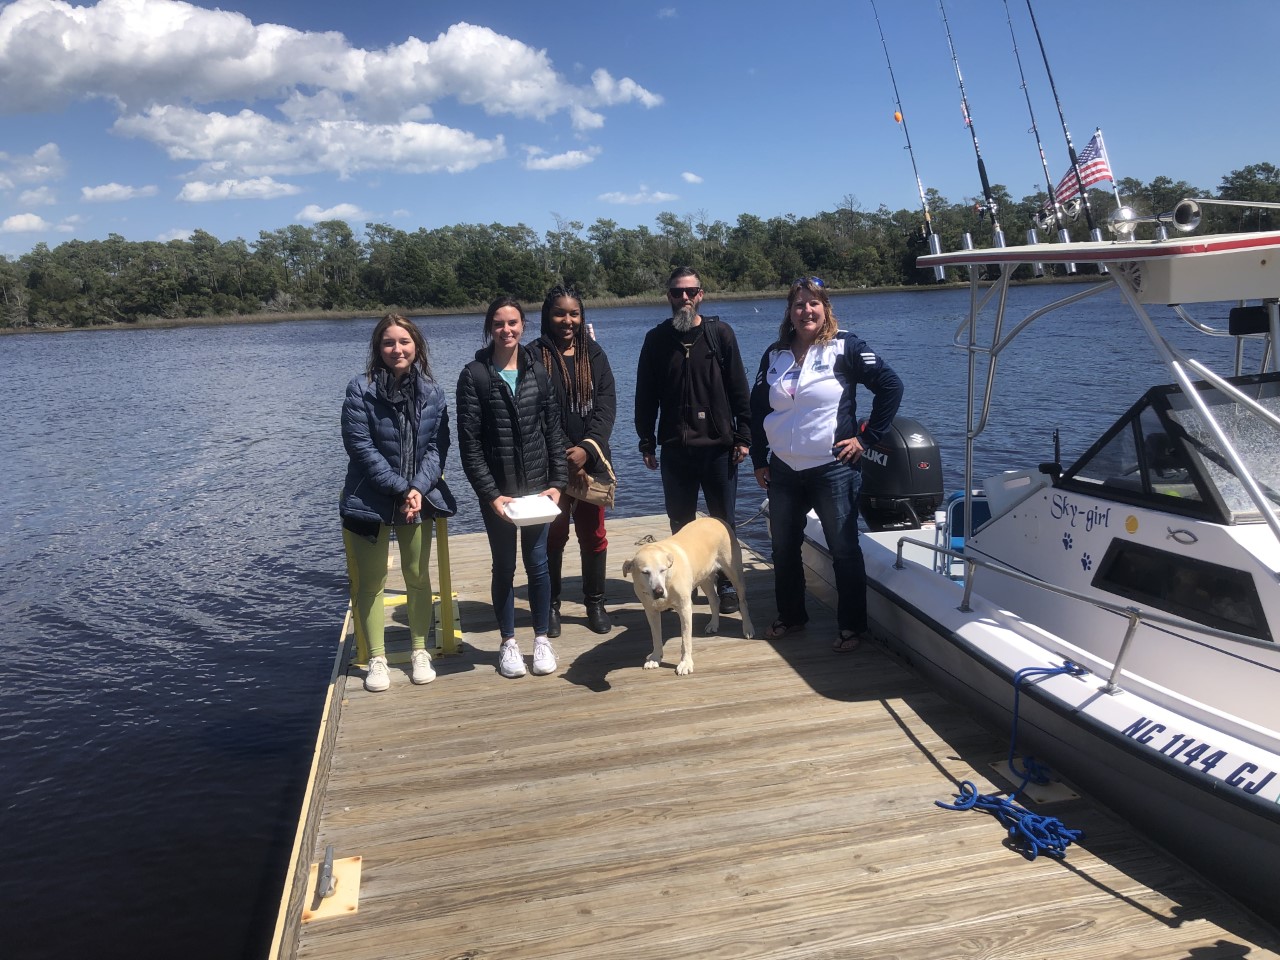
1184, 217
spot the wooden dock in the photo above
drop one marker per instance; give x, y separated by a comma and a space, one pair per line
777, 803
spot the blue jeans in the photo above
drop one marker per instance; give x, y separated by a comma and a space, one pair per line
685, 470
533, 544
831, 491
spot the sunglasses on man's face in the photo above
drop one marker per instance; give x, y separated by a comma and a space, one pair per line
679, 293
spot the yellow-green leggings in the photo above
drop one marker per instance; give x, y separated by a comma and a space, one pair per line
367, 570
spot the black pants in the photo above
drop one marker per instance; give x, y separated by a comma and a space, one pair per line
686, 470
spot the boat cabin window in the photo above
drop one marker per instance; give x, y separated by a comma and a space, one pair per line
1208, 593
1162, 453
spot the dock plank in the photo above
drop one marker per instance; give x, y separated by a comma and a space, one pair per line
777, 803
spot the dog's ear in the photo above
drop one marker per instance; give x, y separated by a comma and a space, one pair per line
670, 560
626, 568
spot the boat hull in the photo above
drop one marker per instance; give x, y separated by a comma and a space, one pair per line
1226, 825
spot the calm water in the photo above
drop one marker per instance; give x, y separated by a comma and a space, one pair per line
173, 582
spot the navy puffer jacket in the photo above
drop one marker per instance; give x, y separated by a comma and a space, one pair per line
374, 485
511, 446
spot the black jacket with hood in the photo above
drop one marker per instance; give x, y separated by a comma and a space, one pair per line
597, 423
699, 396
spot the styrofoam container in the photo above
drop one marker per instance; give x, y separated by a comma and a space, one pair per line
529, 511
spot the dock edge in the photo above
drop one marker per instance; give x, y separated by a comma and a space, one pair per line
284, 941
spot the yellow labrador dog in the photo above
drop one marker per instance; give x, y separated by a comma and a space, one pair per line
665, 573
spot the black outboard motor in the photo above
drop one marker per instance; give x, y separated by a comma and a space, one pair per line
901, 478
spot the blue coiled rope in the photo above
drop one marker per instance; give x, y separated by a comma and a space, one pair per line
1030, 833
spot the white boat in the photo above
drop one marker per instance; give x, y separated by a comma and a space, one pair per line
1150, 565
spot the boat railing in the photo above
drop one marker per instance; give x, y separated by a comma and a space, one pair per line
1132, 615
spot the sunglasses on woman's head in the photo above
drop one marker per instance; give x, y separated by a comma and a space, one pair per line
814, 281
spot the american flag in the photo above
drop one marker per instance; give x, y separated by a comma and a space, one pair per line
1093, 169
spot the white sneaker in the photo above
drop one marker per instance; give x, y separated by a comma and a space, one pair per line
422, 669
510, 663
544, 658
378, 677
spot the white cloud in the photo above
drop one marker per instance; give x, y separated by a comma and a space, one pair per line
178, 234
584, 119
39, 197
45, 164
135, 51
666, 13
688, 177
24, 223
611, 91
312, 213
344, 108
645, 195
538, 159
259, 188
113, 192
251, 144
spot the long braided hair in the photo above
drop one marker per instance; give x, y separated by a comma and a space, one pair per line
580, 390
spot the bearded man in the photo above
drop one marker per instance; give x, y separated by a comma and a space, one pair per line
691, 380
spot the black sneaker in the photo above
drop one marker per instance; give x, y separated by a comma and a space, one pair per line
728, 598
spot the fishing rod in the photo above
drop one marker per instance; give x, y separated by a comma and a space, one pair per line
1094, 232
935, 245
989, 201
1053, 215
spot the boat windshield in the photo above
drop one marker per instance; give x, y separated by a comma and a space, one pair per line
1162, 453
1254, 439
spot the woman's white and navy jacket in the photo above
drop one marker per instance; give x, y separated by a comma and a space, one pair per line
802, 429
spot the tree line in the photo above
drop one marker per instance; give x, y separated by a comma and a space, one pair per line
328, 267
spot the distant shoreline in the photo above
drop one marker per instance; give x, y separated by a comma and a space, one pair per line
477, 309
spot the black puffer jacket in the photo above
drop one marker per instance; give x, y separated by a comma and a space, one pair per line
511, 446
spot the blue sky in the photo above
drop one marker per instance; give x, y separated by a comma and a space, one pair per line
150, 118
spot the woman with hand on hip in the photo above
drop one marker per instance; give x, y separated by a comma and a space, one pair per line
806, 447
395, 427
588, 402
512, 445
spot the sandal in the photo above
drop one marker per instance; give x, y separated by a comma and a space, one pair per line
847, 642
780, 628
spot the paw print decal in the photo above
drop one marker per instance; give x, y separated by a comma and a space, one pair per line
1066, 541
1086, 561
